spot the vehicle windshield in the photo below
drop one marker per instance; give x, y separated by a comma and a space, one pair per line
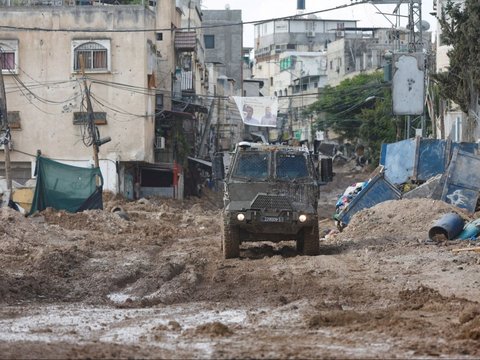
291, 166
252, 165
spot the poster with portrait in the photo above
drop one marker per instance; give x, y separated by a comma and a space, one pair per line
258, 110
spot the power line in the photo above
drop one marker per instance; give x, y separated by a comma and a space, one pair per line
241, 23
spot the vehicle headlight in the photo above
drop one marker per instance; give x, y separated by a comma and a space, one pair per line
240, 217
302, 218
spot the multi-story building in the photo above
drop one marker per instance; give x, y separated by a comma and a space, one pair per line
131, 55
290, 56
223, 37
273, 38
224, 54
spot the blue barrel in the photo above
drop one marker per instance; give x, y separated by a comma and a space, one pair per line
449, 225
470, 231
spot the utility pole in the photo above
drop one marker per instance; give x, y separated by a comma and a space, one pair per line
5, 129
92, 128
91, 121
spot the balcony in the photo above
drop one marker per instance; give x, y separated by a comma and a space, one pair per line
185, 40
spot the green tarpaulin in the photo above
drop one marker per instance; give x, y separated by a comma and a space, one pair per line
66, 187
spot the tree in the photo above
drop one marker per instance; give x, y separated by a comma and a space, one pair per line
378, 126
359, 109
339, 107
460, 24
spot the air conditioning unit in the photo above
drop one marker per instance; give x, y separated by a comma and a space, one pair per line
310, 33
339, 34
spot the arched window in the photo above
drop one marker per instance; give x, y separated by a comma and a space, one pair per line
95, 56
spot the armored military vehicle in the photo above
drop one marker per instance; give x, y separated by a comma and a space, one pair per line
271, 194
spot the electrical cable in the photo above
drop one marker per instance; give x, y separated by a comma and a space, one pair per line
241, 23
58, 159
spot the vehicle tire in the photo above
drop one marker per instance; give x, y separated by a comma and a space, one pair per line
230, 240
311, 241
300, 244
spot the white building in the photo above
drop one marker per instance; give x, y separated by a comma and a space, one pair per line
130, 70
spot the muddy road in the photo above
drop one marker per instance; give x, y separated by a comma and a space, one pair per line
155, 285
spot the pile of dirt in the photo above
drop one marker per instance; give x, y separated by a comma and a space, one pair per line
149, 280
56, 255
404, 220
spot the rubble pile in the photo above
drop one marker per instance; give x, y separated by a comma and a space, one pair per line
405, 219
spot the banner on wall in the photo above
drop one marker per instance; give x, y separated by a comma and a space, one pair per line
258, 111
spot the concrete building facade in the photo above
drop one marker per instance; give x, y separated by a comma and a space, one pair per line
291, 58
223, 38
132, 56
46, 87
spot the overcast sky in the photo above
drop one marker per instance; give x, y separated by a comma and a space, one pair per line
366, 14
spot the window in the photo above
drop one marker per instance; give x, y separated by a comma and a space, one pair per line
151, 81
291, 166
95, 54
159, 101
252, 166
9, 56
13, 118
287, 63
209, 41
159, 36
81, 118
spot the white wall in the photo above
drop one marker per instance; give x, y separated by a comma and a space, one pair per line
107, 167
45, 62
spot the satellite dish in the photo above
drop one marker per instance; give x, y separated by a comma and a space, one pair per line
423, 25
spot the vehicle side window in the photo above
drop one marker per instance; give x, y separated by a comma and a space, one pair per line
252, 166
291, 166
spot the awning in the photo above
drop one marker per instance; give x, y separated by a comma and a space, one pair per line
170, 114
189, 106
200, 161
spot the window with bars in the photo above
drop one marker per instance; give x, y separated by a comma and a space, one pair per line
95, 56
8, 56
7, 60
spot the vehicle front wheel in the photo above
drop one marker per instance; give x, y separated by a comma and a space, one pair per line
309, 241
230, 240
